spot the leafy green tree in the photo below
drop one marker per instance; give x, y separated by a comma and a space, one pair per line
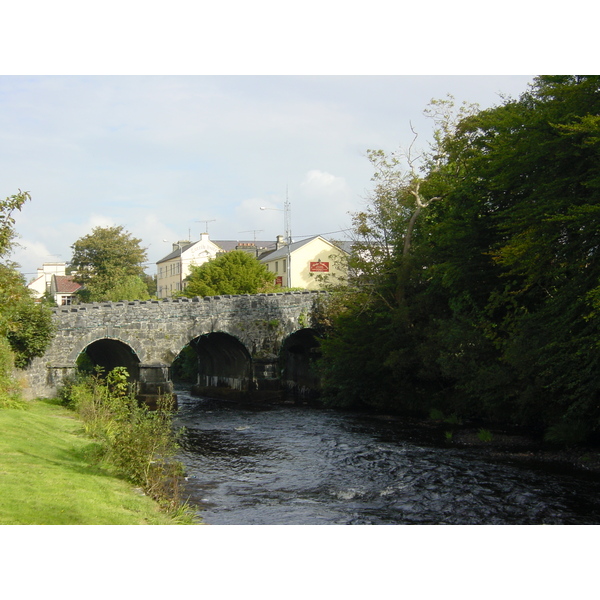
151, 284
235, 272
25, 327
492, 307
114, 288
7, 221
384, 305
109, 262
516, 245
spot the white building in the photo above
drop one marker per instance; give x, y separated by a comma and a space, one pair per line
172, 270
40, 284
52, 278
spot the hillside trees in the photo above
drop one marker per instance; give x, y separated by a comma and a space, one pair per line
235, 272
108, 262
500, 303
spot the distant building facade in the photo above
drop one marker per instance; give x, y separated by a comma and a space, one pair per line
307, 264
174, 268
52, 278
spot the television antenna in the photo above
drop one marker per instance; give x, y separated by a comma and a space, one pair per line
206, 222
287, 217
254, 231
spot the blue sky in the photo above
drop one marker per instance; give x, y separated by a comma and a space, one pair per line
159, 154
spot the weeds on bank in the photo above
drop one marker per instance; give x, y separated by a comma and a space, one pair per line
485, 435
140, 443
10, 390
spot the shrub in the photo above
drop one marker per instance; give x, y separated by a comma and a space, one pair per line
139, 442
568, 432
485, 435
10, 391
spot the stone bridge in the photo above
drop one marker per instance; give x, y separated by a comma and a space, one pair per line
257, 346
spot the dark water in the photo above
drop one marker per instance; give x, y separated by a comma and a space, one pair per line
294, 465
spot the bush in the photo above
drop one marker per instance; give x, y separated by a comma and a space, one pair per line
139, 442
10, 391
568, 432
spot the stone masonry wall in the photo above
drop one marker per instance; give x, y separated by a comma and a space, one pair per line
157, 330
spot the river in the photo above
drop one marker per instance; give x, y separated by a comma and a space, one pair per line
280, 465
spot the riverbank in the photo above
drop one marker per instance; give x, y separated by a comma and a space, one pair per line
500, 443
50, 475
528, 449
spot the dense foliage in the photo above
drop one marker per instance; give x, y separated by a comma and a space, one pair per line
25, 327
109, 264
235, 272
492, 309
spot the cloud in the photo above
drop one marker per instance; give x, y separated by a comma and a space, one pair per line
159, 154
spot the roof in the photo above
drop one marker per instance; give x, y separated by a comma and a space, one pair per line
35, 280
285, 250
177, 252
65, 284
229, 245
225, 245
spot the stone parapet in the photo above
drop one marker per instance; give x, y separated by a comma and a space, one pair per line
155, 331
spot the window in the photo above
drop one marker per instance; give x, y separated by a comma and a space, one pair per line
276, 267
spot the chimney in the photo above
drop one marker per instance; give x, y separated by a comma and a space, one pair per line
180, 244
279, 243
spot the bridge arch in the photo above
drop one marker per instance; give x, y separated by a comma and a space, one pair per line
109, 353
224, 363
299, 353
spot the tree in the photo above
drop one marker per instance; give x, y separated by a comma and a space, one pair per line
516, 251
486, 303
107, 261
384, 303
235, 272
25, 327
7, 221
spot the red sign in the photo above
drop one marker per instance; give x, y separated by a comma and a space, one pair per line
279, 281
319, 267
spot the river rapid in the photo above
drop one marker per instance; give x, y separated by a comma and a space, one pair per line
277, 465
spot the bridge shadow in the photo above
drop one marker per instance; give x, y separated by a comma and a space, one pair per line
109, 354
218, 365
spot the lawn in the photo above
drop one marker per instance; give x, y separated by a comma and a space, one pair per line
49, 474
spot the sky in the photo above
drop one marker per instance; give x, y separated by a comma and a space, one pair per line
170, 157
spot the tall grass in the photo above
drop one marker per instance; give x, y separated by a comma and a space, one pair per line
140, 443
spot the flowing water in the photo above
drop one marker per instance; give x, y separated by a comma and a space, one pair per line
296, 465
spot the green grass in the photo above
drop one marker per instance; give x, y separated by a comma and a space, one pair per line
49, 474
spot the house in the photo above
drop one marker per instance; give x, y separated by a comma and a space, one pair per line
64, 289
52, 278
41, 283
307, 264
174, 268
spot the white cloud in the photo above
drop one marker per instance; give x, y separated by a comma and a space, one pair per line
159, 154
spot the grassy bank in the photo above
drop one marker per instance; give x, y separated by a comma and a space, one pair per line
49, 474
